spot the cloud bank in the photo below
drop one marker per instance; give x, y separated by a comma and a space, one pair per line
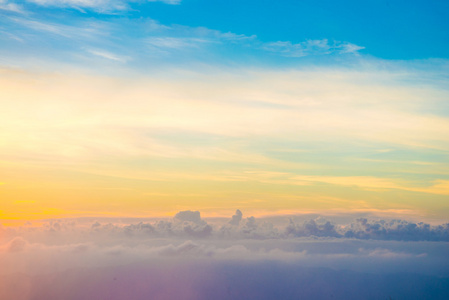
188, 257
189, 225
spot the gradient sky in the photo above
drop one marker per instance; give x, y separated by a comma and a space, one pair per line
145, 108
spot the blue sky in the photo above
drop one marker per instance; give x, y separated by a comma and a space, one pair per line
244, 32
387, 29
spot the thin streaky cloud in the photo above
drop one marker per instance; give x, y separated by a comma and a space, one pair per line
108, 55
151, 39
10, 6
12, 36
310, 47
41, 26
175, 43
100, 6
84, 30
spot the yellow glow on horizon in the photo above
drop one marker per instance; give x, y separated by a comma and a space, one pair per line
87, 145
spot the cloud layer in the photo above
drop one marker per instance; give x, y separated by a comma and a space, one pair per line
188, 257
189, 225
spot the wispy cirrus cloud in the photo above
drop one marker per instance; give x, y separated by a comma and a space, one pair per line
167, 44
108, 55
83, 30
166, 39
144, 41
11, 6
100, 6
197, 37
310, 47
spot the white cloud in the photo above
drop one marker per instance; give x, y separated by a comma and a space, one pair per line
11, 6
102, 6
310, 47
108, 55
192, 39
83, 31
146, 40
173, 43
349, 48
46, 27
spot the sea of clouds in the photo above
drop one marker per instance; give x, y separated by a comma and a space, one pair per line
188, 257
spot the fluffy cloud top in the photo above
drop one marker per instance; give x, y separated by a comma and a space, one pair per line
189, 216
236, 218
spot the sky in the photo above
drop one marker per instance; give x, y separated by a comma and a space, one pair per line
193, 149
146, 108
